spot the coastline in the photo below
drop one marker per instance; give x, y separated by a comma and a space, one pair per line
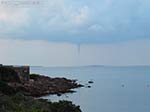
18, 95
39, 85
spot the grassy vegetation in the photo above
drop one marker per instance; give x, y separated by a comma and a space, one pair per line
21, 103
13, 101
34, 76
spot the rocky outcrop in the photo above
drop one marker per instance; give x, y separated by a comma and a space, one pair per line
35, 85
14, 73
17, 95
8, 75
43, 85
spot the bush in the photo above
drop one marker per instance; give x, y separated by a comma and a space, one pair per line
34, 76
21, 103
64, 106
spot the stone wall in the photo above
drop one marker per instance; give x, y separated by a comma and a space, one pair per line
21, 71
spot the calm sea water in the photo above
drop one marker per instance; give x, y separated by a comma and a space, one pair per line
115, 89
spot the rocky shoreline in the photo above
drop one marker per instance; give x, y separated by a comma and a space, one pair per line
18, 90
42, 85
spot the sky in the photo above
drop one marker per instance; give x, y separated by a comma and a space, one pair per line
75, 33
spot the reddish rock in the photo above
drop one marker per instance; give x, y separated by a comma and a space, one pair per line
43, 85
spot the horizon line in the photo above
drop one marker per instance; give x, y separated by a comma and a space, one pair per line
94, 66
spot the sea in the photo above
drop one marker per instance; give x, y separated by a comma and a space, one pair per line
115, 89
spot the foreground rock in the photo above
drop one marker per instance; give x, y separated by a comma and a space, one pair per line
43, 85
35, 85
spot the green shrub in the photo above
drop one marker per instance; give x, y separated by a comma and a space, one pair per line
64, 106
21, 103
34, 76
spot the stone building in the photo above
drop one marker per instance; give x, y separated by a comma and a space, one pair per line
22, 72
